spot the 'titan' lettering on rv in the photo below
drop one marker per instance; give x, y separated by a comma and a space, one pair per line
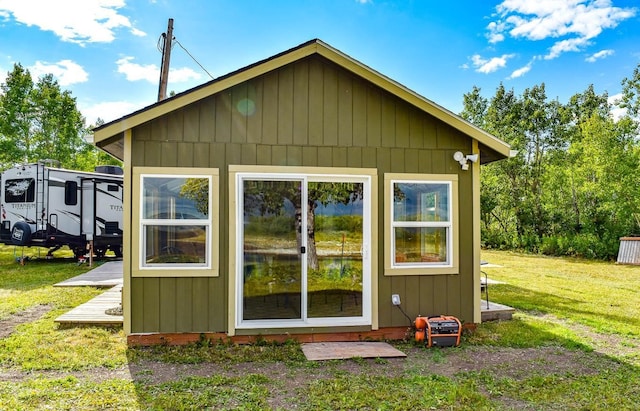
21, 206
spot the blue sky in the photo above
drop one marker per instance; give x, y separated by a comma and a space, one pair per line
106, 51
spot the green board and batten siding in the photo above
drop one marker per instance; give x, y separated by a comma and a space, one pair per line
308, 113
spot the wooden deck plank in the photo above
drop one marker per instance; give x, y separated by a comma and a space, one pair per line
93, 312
106, 275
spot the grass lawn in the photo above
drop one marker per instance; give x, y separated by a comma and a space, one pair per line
598, 300
573, 344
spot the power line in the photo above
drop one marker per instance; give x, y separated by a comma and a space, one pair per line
193, 58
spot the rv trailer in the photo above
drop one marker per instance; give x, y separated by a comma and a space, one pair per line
46, 206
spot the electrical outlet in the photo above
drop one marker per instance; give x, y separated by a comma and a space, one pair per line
395, 299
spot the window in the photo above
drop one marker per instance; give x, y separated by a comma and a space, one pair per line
420, 217
70, 193
21, 190
177, 229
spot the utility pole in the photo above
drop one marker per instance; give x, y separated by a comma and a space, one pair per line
166, 57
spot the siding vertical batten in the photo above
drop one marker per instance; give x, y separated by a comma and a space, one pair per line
330, 107
168, 303
316, 103
301, 105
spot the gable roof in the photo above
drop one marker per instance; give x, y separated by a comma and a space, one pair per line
110, 136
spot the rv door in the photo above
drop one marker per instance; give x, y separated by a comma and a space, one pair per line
88, 208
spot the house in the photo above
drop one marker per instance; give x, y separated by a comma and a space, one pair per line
295, 197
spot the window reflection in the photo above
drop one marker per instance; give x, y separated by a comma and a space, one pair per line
421, 223
175, 220
176, 198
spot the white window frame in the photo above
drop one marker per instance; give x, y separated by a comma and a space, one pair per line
207, 269
450, 266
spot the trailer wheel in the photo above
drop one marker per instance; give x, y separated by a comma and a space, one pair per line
21, 233
117, 251
79, 252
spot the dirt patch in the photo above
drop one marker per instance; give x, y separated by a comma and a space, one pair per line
8, 325
288, 380
515, 363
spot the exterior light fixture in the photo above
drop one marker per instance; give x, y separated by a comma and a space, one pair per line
464, 160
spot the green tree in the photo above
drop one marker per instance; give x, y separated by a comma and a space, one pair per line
608, 169
17, 116
512, 190
58, 129
561, 178
41, 121
631, 93
573, 188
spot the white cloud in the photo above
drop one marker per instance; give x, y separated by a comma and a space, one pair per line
616, 111
151, 72
184, 74
74, 21
66, 71
495, 32
574, 44
576, 21
521, 71
136, 72
487, 66
599, 55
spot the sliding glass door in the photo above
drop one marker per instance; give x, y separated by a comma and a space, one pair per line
303, 242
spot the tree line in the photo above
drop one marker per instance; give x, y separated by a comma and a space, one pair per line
39, 120
574, 186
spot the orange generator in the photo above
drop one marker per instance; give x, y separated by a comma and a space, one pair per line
438, 331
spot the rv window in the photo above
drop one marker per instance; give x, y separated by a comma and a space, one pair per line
22, 190
112, 187
70, 193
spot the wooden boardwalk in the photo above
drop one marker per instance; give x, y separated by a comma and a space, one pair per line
105, 275
94, 311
